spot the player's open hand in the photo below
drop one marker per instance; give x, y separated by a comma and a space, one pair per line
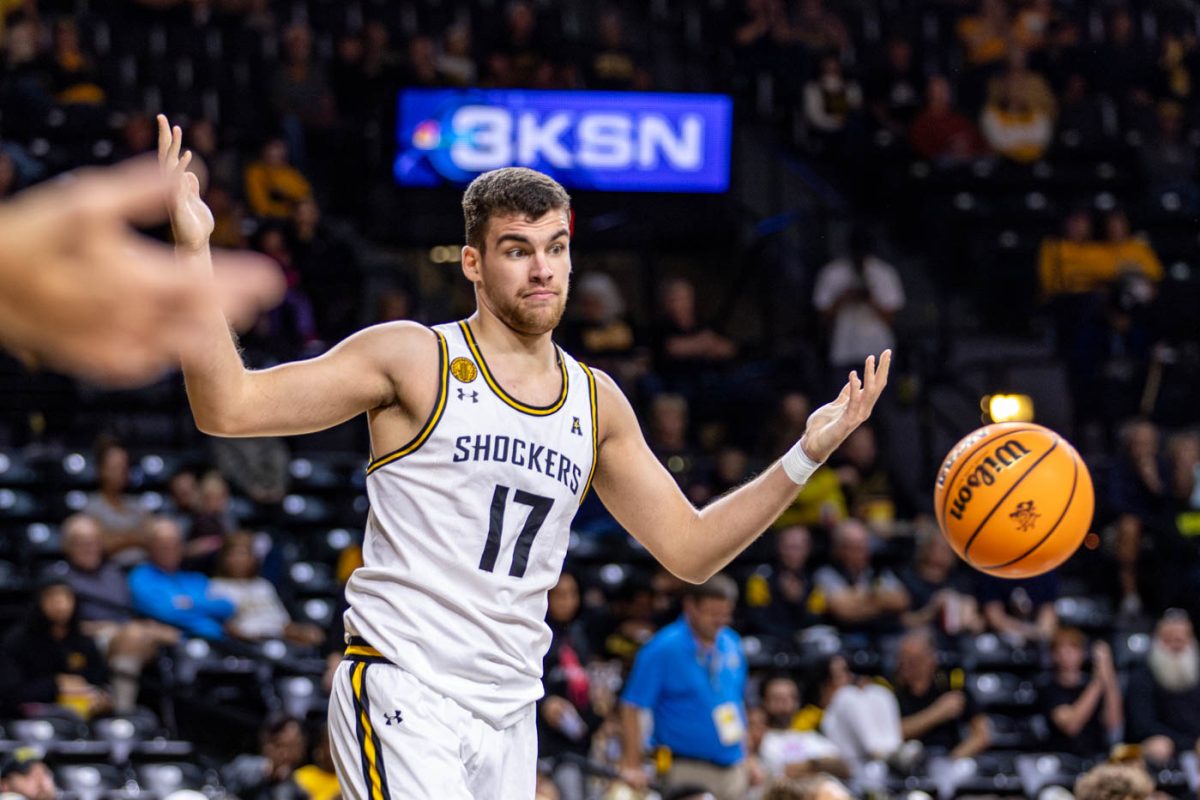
830, 424
81, 291
191, 219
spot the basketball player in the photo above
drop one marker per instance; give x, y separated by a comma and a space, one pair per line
80, 291
485, 437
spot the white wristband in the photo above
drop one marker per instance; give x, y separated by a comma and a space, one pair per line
798, 466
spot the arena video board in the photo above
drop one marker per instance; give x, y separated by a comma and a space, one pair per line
605, 141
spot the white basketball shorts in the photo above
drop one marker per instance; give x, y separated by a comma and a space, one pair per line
393, 738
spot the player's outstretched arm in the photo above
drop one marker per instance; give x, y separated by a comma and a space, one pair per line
695, 544
300, 397
83, 292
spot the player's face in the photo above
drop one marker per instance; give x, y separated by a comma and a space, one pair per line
523, 274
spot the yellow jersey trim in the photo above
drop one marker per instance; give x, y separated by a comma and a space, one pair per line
363, 650
439, 406
595, 429
498, 390
372, 768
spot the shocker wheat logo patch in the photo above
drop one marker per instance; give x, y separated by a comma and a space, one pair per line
1026, 516
463, 370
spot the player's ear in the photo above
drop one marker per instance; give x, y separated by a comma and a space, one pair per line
471, 261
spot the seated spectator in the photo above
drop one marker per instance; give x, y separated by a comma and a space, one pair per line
524, 47
1139, 482
318, 779
1024, 87
420, 66
685, 344
229, 218
894, 88
48, 659
1073, 263
566, 716
106, 610
273, 186
859, 598
183, 499
1115, 782
214, 519
831, 100
271, 774
260, 613
221, 163
182, 599
817, 787
986, 34
455, 64
1012, 127
861, 717
1122, 63
779, 598
613, 64
299, 90
668, 439
121, 515
291, 325
600, 333
1081, 114
691, 678
1019, 610
786, 751
74, 75
940, 593
858, 296
1084, 714
940, 132
1164, 693
1130, 254
934, 704
819, 30
1033, 24
866, 482
328, 268
1168, 159
25, 776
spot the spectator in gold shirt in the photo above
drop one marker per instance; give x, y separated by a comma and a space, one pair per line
273, 186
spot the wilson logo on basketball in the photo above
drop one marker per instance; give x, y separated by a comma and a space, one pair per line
1026, 516
1002, 458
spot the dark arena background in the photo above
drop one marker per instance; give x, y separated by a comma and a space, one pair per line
764, 191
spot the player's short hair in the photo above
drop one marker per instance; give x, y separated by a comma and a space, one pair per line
720, 587
509, 190
1114, 782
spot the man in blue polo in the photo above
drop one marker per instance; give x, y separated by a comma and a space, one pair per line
691, 678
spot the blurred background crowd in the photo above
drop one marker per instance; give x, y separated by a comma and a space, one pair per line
1005, 192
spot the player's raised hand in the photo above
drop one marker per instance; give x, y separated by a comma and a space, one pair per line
191, 219
830, 424
81, 291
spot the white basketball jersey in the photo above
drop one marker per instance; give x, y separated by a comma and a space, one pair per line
468, 530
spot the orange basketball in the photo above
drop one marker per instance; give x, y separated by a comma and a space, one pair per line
1014, 499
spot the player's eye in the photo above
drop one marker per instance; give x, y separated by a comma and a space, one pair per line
557, 249
516, 252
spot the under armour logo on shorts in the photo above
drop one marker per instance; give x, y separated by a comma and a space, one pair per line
393, 717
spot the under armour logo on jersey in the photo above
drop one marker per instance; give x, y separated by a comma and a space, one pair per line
393, 717
463, 394
576, 428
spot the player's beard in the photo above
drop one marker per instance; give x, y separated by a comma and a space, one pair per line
1175, 672
528, 318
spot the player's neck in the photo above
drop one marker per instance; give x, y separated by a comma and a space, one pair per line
499, 339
